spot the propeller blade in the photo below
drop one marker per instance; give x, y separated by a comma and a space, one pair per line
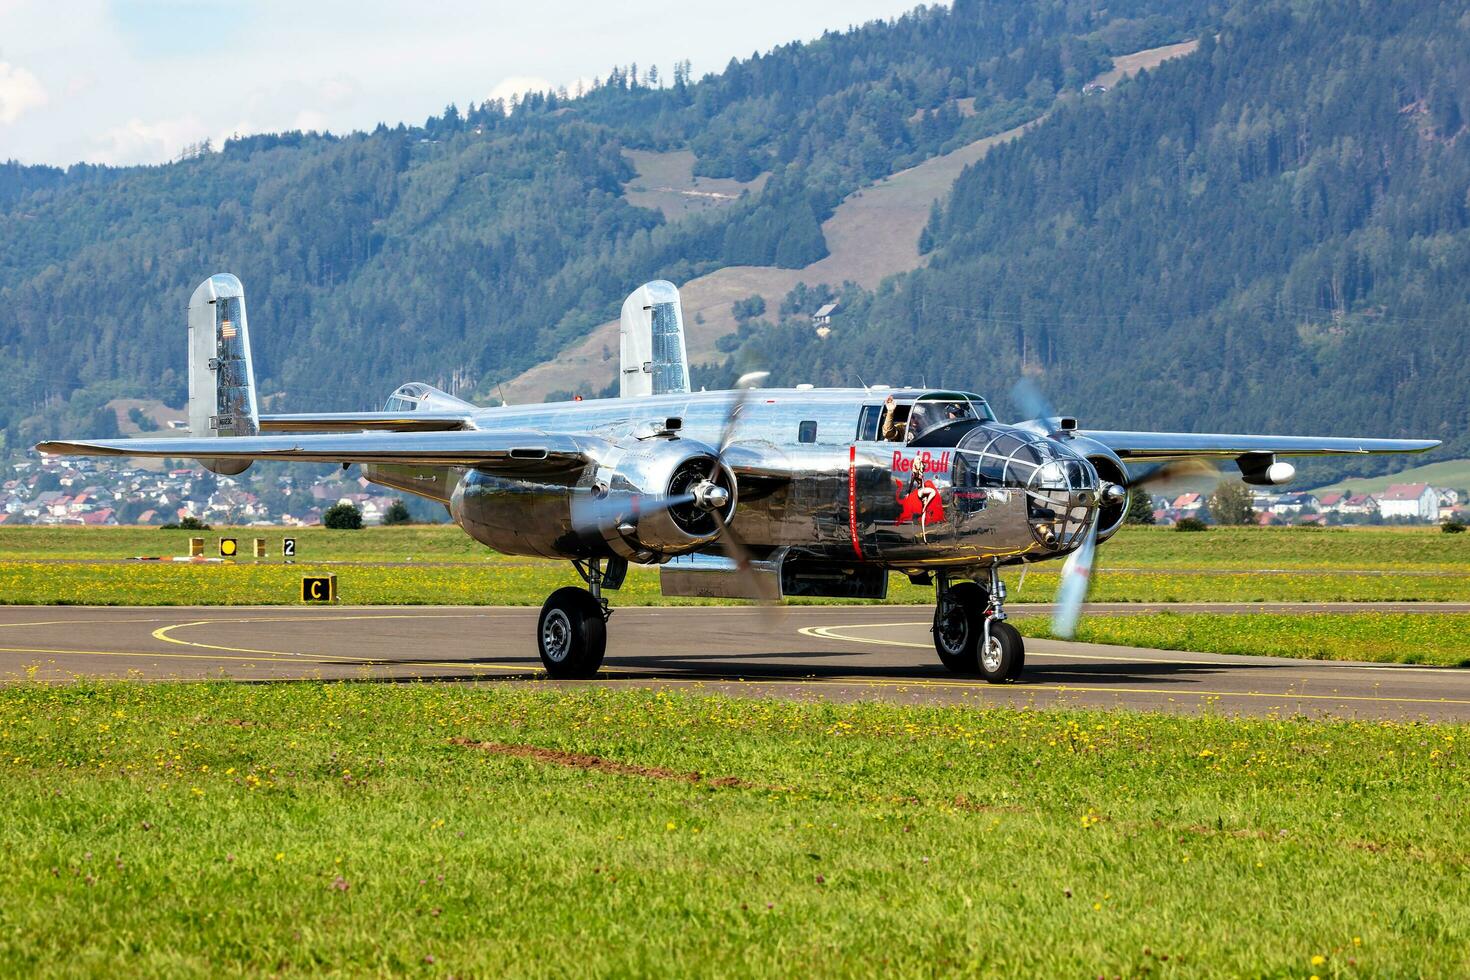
1180, 476
746, 383
596, 514
731, 542
1033, 404
1072, 592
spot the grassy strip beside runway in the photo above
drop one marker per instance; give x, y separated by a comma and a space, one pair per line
1441, 639
1420, 549
526, 582
201, 829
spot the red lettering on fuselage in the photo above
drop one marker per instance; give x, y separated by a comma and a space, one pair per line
921, 461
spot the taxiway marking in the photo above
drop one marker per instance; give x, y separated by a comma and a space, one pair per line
325, 658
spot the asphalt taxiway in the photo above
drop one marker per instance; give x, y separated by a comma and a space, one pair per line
808, 652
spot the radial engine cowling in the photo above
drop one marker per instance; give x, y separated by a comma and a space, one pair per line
655, 500
1110, 469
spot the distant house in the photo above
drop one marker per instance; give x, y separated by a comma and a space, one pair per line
1188, 504
1294, 503
823, 316
1358, 505
1415, 501
1329, 502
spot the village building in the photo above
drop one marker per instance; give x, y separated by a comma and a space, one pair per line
1412, 501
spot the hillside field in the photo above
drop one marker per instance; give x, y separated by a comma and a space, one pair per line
1446, 473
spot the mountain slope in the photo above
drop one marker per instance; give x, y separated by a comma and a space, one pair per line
874, 233
1272, 234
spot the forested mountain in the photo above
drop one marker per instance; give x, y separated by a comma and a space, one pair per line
1270, 234
469, 248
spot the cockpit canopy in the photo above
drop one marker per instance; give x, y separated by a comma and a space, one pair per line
416, 396
906, 417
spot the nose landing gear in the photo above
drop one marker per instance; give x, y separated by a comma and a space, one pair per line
572, 631
971, 635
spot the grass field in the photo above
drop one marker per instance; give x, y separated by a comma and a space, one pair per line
1378, 637
207, 829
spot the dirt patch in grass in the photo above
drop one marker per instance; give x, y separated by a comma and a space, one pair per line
573, 760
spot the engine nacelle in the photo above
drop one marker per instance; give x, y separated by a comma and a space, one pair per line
648, 500
653, 501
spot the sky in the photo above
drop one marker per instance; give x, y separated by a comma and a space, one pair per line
135, 81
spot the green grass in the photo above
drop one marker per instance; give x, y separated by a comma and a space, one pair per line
1446, 473
209, 829
1441, 639
405, 565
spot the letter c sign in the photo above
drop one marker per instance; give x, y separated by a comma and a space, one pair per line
319, 588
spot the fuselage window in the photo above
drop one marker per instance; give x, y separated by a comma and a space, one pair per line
806, 432
868, 423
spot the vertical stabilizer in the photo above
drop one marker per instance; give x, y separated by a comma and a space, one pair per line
221, 378
654, 361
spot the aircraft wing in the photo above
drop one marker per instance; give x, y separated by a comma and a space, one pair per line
1167, 446
366, 422
523, 453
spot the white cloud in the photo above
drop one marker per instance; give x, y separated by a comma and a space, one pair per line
519, 85
137, 141
20, 91
136, 74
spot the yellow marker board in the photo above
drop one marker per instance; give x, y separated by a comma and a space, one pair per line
318, 588
228, 547
196, 547
260, 547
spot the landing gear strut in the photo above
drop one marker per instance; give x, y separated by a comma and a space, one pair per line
572, 631
970, 631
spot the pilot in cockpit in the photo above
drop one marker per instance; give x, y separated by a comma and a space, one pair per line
929, 415
894, 417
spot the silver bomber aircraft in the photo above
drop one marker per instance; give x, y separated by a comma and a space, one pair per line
755, 493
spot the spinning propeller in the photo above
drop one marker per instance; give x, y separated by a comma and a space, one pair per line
1076, 574
693, 495
729, 540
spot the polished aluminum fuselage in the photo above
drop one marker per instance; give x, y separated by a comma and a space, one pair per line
831, 494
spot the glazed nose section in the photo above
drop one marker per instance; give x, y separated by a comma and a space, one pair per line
1064, 496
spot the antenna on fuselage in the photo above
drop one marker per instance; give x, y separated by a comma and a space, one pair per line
866, 389
501, 388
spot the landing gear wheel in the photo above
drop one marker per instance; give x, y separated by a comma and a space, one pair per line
571, 634
958, 619
1001, 661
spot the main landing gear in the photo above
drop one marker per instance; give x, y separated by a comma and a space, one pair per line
572, 630
970, 631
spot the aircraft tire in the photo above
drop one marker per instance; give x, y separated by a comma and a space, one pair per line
571, 634
957, 635
1010, 659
